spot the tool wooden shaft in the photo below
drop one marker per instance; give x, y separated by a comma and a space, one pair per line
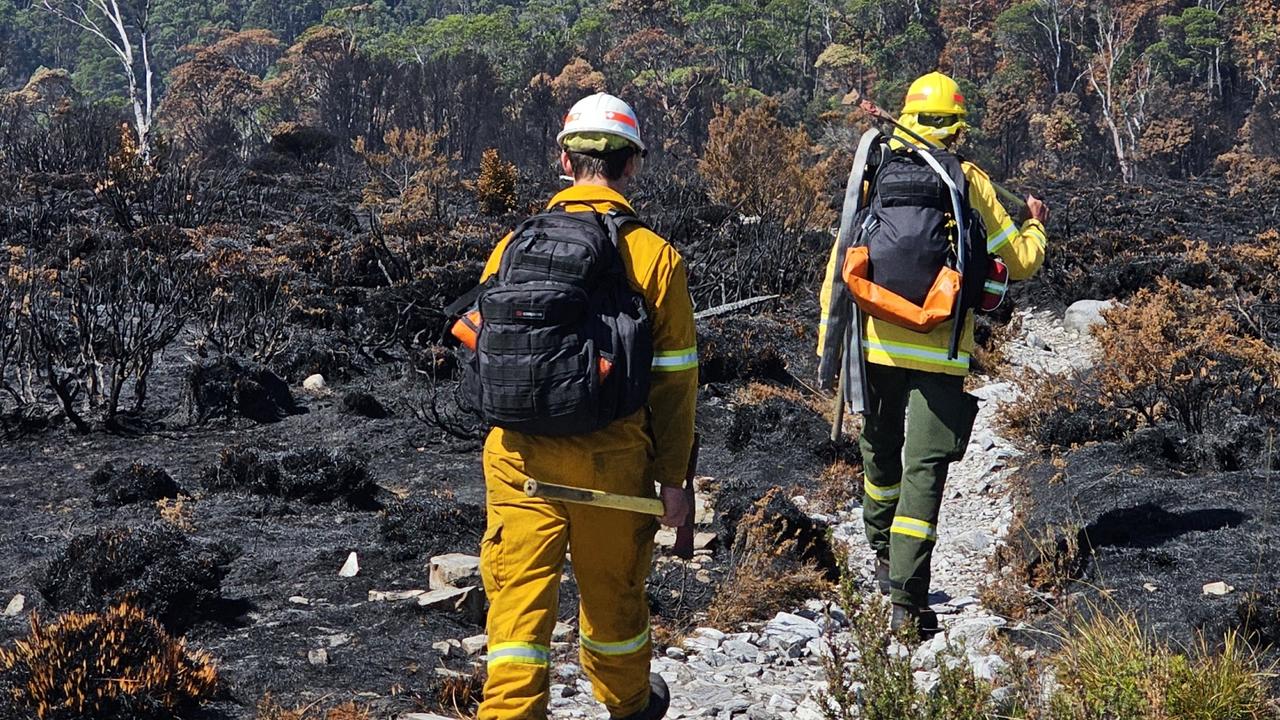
595, 498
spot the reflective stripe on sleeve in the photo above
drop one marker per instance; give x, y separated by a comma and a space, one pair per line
675, 360
919, 353
995, 241
519, 653
1037, 234
624, 647
912, 527
881, 493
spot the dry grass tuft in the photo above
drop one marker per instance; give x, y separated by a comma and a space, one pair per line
1110, 667
116, 664
758, 393
176, 512
461, 693
768, 572
839, 482
268, 709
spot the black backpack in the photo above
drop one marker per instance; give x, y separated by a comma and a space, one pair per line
562, 343
909, 228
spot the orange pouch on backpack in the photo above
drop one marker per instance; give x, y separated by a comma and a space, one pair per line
467, 330
884, 304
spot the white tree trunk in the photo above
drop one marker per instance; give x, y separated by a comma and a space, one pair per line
91, 16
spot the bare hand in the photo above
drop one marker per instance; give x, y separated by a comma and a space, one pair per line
1038, 209
675, 504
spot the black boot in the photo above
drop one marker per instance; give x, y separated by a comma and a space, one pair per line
659, 701
924, 620
882, 575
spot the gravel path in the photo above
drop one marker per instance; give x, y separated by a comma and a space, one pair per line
773, 670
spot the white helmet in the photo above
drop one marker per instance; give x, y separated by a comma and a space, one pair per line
605, 114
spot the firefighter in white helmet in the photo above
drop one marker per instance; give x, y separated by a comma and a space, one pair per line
524, 545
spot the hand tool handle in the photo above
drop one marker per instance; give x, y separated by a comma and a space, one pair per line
684, 534
595, 498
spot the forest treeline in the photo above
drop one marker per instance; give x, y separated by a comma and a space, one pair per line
1119, 88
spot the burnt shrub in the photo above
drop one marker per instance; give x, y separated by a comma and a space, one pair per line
308, 353
780, 558
364, 405
1176, 353
1058, 412
228, 387
158, 568
138, 482
733, 349
312, 475
426, 525
1171, 355
769, 416
118, 664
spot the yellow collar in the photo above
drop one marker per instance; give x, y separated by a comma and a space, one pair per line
591, 195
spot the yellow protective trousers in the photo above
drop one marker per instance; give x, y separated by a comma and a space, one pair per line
522, 558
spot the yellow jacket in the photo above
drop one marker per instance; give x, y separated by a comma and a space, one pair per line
1022, 249
665, 428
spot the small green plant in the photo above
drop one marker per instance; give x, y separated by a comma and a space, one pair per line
870, 675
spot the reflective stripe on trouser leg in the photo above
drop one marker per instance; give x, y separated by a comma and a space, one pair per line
918, 529
881, 445
519, 653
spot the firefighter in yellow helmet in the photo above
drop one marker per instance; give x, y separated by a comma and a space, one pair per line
524, 545
918, 417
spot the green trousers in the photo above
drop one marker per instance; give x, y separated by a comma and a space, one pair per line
917, 424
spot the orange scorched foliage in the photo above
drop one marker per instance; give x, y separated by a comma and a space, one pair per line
111, 665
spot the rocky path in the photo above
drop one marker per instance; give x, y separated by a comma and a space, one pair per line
774, 669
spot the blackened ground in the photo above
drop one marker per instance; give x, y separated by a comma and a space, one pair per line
1149, 532
430, 487
287, 548
1108, 240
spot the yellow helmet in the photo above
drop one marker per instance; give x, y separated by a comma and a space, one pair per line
934, 94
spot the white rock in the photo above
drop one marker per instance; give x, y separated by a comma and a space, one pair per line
336, 640
319, 656
978, 541
1217, 588
394, 595
789, 623
15, 605
467, 600
422, 716
475, 644
1084, 314
676, 653
351, 567
299, 600
448, 648
781, 703
314, 383
447, 570
1037, 342
703, 540
561, 631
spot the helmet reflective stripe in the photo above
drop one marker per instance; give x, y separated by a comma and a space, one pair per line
934, 94
602, 113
